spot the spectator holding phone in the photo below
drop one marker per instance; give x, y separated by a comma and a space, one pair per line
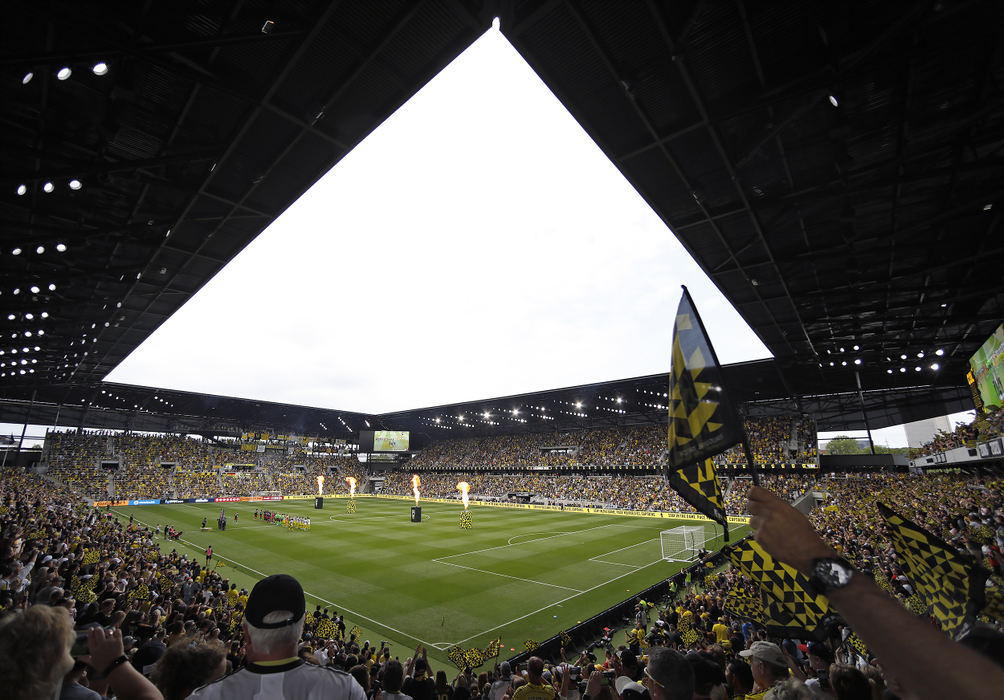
536, 687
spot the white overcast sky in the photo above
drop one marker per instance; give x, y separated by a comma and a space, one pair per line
477, 244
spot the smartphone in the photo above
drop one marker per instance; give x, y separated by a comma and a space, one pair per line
80, 646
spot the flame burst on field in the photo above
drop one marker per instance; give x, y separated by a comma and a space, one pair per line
415, 483
465, 516
352, 486
320, 485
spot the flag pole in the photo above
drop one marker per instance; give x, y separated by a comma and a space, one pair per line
749, 459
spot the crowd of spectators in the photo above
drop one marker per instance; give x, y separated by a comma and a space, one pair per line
965, 511
101, 572
619, 491
150, 466
787, 439
180, 624
986, 425
173, 466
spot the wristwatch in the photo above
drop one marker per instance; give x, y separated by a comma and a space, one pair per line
830, 573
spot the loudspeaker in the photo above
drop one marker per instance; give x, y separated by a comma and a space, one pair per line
318, 502
416, 514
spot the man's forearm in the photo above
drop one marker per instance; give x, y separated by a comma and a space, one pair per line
920, 657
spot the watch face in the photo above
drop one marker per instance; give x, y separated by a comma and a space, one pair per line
832, 573
836, 572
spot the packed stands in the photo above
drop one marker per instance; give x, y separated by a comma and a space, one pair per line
54, 549
984, 426
166, 466
774, 440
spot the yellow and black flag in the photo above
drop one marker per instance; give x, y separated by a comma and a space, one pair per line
791, 607
698, 485
744, 604
951, 585
702, 421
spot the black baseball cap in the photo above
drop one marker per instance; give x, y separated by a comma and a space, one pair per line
277, 592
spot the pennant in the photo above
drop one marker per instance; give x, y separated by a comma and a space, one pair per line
698, 485
745, 605
494, 648
858, 644
994, 608
791, 607
950, 585
702, 421
456, 655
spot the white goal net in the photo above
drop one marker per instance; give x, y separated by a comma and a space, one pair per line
682, 543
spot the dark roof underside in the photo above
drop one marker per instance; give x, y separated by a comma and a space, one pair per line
873, 223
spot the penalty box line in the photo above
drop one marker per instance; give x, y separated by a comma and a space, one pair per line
517, 544
311, 595
558, 602
599, 557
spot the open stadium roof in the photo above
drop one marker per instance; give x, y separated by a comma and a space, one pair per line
836, 171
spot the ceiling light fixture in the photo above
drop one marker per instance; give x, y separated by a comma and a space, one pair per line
64, 73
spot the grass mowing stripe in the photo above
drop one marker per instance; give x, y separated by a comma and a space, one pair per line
520, 571
262, 575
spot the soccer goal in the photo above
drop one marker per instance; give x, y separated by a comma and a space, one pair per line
682, 543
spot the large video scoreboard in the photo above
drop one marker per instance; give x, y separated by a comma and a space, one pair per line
384, 440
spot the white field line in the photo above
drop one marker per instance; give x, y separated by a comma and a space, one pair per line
599, 557
515, 578
317, 597
539, 539
559, 602
440, 561
546, 532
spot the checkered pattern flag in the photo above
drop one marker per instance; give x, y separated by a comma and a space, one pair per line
792, 609
741, 603
950, 585
456, 655
702, 422
994, 608
858, 644
698, 485
494, 648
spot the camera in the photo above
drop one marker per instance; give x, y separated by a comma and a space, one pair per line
574, 672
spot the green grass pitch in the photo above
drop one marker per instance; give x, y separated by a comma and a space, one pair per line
517, 574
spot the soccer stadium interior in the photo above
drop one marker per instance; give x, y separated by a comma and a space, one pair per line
835, 169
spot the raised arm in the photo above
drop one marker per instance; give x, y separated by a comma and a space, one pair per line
930, 665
